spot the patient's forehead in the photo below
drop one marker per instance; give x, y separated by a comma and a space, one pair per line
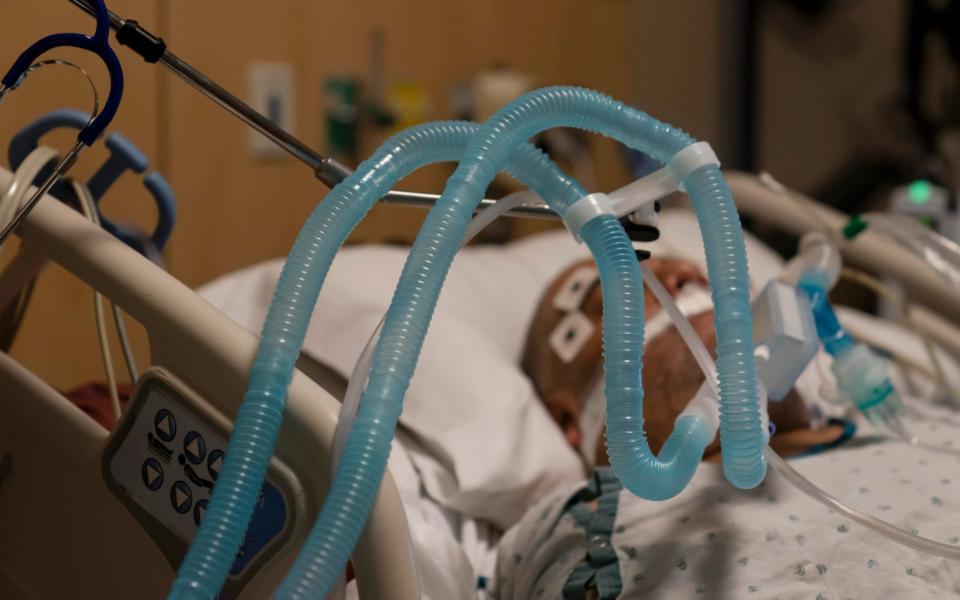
544, 361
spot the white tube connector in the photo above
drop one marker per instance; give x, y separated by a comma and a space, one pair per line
585, 210
638, 198
817, 257
706, 406
665, 180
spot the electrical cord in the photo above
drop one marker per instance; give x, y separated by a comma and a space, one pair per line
89, 209
13, 197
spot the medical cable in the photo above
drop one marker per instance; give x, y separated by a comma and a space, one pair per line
660, 477
13, 197
89, 209
887, 530
208, 560
940, 254
770, 182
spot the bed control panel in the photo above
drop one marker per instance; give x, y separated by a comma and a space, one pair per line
163, 462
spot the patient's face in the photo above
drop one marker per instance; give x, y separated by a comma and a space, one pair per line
671, 376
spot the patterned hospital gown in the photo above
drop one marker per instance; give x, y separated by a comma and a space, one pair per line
713, 541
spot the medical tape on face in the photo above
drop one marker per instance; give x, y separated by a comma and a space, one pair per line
570, 335
575, 329
575, 288
692, 300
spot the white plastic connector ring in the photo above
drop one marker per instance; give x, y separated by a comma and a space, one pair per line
585, 210
690, 159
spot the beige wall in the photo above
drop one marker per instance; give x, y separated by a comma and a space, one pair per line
234, 209
226, 195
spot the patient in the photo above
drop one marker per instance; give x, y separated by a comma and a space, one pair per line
595, 541
671, 376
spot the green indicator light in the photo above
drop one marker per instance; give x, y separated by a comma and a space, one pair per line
920, 191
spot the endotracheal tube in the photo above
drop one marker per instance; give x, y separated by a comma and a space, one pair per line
355, 485
211, 554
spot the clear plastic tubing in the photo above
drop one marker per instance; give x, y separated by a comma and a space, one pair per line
941, 254
884, 528
211, 554
654, 477
684, 327
361, 370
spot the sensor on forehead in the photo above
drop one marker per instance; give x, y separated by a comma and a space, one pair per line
574, 330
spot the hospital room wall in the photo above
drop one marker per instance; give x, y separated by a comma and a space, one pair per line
236, 209
227, 194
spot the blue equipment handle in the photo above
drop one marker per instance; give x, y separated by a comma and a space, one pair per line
97, 44
166, 217
124, 156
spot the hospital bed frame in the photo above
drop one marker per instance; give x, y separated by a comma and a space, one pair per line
936, 305
63, 533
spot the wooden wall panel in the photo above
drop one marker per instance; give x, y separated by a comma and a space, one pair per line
234, 209
237, 210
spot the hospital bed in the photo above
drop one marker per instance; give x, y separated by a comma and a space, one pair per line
936, 310
488, 298
50, 450
74, 523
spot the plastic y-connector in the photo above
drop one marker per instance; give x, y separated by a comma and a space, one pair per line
665, 180
639, 198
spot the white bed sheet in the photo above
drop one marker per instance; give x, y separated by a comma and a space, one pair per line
489, 298
713, 541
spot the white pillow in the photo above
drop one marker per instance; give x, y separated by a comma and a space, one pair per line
486, 448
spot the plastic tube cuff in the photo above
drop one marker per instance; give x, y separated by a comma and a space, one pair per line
706, 406
585, 210
665, 180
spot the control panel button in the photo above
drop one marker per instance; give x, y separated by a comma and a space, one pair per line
214, 463
199, 510
152, 474
165, 425
194, 447
181, 497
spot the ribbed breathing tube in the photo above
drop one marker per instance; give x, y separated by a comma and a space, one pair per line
204, 569
408, 317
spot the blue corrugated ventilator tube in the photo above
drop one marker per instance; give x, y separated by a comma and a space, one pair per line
356, 483
205, 567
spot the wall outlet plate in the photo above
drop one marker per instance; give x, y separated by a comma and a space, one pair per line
272, 92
